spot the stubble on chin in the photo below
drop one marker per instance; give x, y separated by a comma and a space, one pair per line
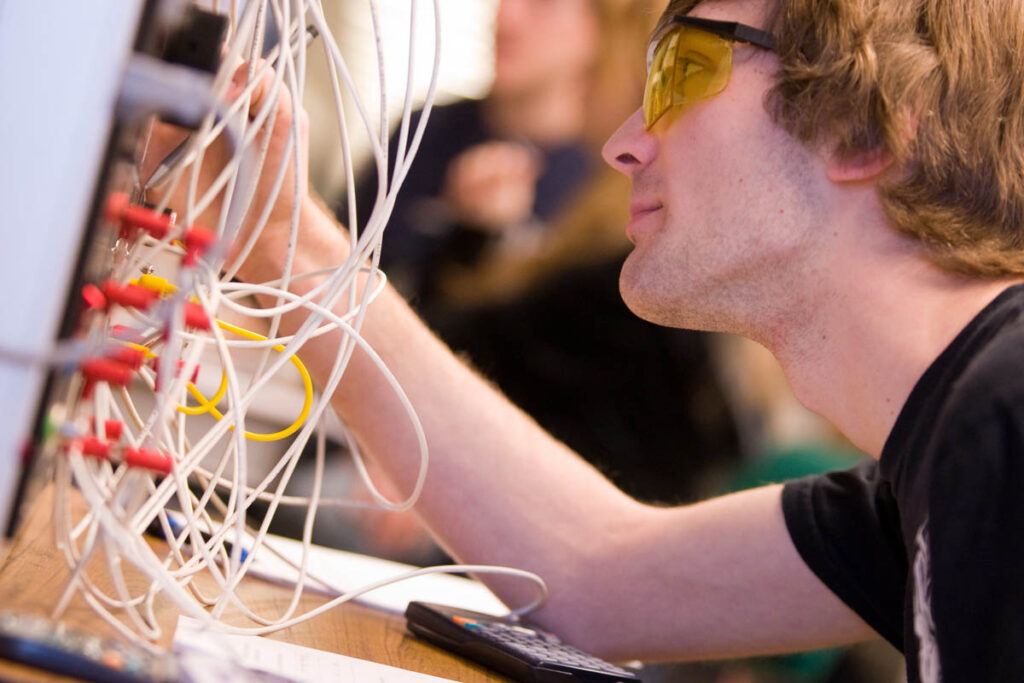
651, 296
675, 295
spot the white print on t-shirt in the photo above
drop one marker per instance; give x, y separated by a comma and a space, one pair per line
924, 625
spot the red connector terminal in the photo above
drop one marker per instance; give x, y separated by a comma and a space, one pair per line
196, 317
129, 296
197, 240
95, 447
113, 429
93, 297
149, 459
133, 217
146, 458
106, 370
128, 355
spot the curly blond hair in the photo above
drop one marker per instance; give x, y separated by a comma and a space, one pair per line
936, 84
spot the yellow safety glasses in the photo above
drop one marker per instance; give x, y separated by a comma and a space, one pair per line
692, 61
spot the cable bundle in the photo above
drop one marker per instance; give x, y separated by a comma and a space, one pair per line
155, 327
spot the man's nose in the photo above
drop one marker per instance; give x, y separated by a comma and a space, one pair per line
631, 147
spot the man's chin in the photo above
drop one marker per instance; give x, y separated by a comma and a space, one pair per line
662, 303
641, 300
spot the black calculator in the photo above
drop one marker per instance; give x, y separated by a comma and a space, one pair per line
514, 649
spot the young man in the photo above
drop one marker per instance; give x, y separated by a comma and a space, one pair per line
862, 260
842, 182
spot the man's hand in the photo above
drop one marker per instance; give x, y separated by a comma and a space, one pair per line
164, 138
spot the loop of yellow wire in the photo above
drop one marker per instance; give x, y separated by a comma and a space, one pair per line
209, 406
204, 405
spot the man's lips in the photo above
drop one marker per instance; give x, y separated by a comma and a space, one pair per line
638, 210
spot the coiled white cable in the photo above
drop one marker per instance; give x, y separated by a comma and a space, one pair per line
209, 481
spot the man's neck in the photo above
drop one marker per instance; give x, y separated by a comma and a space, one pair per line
856, 359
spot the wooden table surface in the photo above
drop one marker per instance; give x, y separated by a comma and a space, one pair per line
33, 577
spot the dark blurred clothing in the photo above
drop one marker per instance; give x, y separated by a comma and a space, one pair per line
422, 235
639, 401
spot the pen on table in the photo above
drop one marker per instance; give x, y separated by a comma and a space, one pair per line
171, 160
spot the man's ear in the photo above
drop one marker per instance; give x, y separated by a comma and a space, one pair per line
859, 166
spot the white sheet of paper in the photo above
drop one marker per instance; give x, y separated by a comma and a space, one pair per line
342, 571
211, 657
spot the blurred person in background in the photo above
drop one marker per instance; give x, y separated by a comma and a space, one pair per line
507, 238
491, 174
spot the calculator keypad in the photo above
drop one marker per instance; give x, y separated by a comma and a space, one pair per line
537, 646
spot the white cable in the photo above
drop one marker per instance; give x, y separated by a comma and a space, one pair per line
209, 480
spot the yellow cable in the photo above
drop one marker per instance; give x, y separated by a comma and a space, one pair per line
210, 405
204, 405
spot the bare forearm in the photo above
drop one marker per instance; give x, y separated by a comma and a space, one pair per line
714, 580
499, 490
627, 580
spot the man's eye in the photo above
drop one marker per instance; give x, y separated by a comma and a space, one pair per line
691, 68
695, 61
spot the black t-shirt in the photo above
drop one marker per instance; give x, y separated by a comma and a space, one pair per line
927, 544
